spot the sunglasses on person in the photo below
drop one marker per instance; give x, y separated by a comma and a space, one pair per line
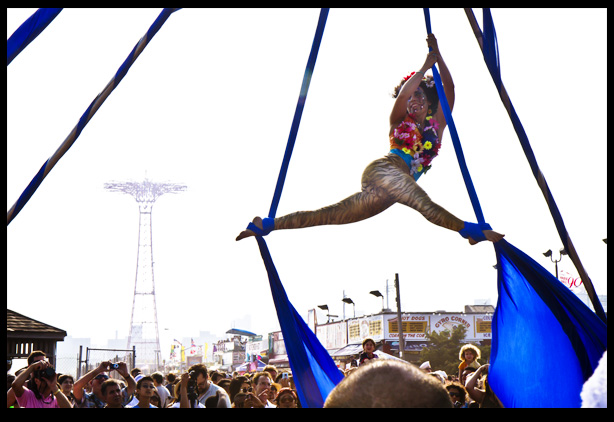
454, 393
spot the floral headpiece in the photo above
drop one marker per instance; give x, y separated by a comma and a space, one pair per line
429, 84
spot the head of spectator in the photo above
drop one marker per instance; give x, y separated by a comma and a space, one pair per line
158, 378
238, 400
287, 398
262, 386
275, 387
389, 384
469, 354
458, 394
272, 370
112, 393
155, 399
66, 383
465, 374
135, 371
171, 378
225, 384
202, 377
145, 390
234, 387
35, 356
216, 377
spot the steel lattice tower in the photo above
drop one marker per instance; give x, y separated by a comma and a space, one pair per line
144, 320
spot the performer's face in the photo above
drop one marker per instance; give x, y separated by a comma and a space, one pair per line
417, 104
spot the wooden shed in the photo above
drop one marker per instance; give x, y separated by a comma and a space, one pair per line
24, 335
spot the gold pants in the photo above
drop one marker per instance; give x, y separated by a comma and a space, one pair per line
384, 182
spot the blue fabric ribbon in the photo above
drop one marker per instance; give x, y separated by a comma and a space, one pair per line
28, 31
546, 342
314, 371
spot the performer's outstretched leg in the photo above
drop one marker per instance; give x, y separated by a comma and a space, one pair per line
384, 182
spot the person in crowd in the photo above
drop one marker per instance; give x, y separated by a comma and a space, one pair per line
111, 391
272, 370
34, 356
171, 379
388, 384
165, 396
216, 377
205, 387
225, 384
468, 355
287, 398
239, 400
284, 379
145, 389
426, 367
176, 402
235, 387
98, 376
135, 372
66, 384
465, 374
458, 395
275, 387
262, 388
485, 397
368, 349
42, 391
155, 400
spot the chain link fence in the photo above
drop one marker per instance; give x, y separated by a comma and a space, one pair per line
94, 357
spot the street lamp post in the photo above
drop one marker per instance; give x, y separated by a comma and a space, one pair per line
377, 293
548, 254
349, 301
328, 315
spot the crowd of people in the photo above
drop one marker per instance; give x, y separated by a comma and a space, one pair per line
374, 381
39, 386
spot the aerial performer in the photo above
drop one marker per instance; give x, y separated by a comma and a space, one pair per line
416, 126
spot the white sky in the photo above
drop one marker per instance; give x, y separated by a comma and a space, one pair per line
209, 103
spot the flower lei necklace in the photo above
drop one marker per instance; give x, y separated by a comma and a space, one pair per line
423, 147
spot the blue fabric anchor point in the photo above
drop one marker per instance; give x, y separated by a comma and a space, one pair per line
268, 225
474, 231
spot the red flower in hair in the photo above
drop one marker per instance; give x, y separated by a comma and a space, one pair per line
409, 76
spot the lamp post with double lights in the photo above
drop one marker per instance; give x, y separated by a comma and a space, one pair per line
548, 254
328, 315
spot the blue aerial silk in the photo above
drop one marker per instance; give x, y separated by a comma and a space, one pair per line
314, 371
546, 342
28, 31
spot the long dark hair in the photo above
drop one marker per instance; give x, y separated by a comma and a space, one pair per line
430, 92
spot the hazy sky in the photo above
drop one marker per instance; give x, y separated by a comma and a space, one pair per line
209, 104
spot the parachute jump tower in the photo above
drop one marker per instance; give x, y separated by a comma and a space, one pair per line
144, 333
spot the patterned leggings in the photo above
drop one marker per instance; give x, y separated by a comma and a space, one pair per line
384, 182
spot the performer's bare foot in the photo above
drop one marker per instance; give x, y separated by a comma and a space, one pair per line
247, 232
491, 235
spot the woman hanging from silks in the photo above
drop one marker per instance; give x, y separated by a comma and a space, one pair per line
416, 126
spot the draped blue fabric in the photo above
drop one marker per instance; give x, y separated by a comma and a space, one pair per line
546, 342
314, 371
491, 57
28, 31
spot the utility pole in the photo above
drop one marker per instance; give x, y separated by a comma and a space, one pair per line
400, 321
